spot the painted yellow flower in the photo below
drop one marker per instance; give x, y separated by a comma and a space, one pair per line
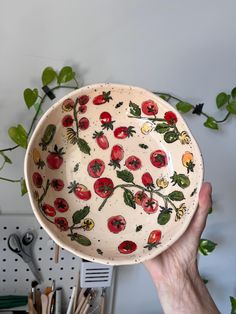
87, 224
147, 127
36, 156
68, 104
162, 183
180, 212
184, 138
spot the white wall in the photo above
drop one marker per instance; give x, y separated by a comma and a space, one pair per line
186, 47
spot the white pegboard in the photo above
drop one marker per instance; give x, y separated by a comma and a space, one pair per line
15, 276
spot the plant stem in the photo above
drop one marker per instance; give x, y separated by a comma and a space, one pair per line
225, 118
75, 117
10, 180
3, 165
168, 95
146, 118
37, 113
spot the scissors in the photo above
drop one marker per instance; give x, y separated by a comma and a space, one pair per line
23, 248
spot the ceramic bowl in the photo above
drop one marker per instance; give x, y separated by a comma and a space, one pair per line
113, 174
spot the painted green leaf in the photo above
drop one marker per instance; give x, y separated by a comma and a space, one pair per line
233, 305
30, 96
164, 217
233, 92
23, 187
211, 123
129, 198
221, 99
80, 214
18, 135
144, 146
48, 75
171, 137
125, 175
206, 246
231, 107
80, 239
176, 196
134, 109
183, 106
6, 158
83, 146
65, 75
162, 128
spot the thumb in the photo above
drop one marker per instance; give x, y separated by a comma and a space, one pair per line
204, 203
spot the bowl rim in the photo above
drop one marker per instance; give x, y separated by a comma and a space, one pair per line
125, 260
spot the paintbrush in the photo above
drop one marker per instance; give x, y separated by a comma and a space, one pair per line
34, 284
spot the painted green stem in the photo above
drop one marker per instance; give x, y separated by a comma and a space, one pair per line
133, 185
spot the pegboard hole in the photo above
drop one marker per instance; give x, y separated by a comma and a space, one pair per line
5, 228
17, 228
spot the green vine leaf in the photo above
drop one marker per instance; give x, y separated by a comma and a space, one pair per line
23, 187
231, 107
233, 305
30, 96
176, 196
48, 75
129, 198
6, 158
65, 75
206, 246
211, 123
125, 175
134, 109
221, 99
80, 214
233, 92
18, 135
162, 128
184, 107
83, 146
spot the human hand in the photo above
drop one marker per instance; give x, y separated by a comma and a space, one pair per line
181, 258
175, 272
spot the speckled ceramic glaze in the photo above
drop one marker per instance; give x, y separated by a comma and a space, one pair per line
113, 173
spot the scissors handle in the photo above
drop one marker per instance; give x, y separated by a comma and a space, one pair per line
14, 243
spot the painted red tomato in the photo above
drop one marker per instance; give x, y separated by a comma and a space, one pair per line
147, 180
117, 153
61, 205
153, 239
127, 247
133, 163
83, 123
54, 159
101, 139
57, 184
170, 117
80, 191
116, 224
150, 205
123, 131
96, 168
48, 210
103, 187
82, 109
105, 117
37, 179
139, 197
149, 107
83, 100
158, 158
102, 98
67, 120
61, 223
